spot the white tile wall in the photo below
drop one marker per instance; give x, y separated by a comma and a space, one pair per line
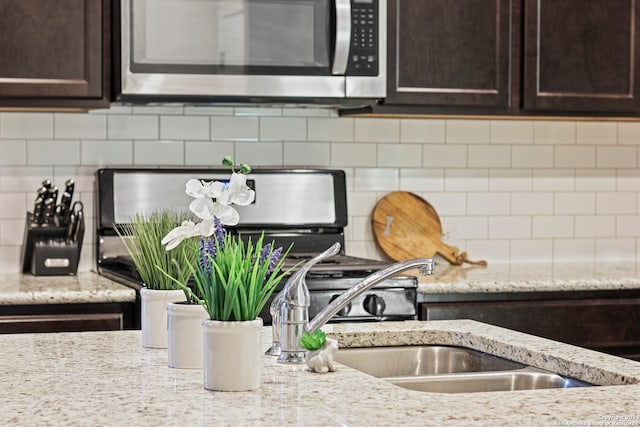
506, 190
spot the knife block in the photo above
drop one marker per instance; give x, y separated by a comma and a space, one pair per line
46, 250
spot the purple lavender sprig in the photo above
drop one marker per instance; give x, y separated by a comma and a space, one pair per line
267, 256
207, 253
219, 231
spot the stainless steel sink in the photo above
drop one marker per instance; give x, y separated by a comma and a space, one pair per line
448, 369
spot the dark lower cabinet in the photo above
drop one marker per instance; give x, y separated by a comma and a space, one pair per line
68, 317
601, 322
55, 53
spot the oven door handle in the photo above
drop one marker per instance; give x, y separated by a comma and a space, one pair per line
343, 37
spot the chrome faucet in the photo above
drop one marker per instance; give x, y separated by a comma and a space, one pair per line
293, 303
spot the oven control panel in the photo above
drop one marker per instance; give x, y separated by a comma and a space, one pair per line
377, 304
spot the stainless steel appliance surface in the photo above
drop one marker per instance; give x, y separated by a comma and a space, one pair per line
295, 51
306, 207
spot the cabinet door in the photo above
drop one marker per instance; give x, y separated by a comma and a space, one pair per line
453, 53
581, 55
53, 53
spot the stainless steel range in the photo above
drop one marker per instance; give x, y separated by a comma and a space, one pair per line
306, 207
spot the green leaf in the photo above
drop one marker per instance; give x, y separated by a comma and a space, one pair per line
227, 161
245, 168
313, 342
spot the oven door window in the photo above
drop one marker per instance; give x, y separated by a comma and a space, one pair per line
262, 37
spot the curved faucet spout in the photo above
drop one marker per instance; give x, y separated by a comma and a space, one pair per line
425, 266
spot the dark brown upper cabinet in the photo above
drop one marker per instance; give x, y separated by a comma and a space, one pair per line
447, 53
55, 54
581, 55
513, 57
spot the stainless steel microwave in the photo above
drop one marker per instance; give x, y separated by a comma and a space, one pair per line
298, 50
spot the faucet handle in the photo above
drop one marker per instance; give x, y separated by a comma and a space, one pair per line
426, 269
296, 284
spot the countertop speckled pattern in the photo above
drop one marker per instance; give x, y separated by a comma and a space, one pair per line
85, 287
531, 277
107, 378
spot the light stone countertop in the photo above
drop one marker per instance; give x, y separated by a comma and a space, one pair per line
107, 378
85, 287
536, 277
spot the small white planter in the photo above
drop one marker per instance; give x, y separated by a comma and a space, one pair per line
153, 315
184, 334
232, 355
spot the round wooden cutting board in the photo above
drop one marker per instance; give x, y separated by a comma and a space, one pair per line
407, 226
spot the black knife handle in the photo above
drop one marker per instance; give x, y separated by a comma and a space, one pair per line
47, 212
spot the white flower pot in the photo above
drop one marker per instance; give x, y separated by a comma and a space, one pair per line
153, 315
232, 355
184, 334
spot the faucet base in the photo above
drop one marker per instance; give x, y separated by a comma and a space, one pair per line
274, 350
292, 357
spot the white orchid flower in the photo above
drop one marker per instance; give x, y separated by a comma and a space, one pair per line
200, 189
186, 230
206, 209
237, 192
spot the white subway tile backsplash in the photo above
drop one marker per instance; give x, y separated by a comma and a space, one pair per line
132, 127
10, 259
573, 250
615, 250
377, 130
468, 131
628, 133
422, 130
554, 132
79, 126
330, 129
208, 153
492, 251
505, 190
12, 231
105, 153
575, 157
361, 203
235, 128
469, 227
365, 179
617, 157
488, 203
628, 226
42, 152
532, 203
553, 226
166, 153
417, 180
510, 180
489, 156
532, 156
511, 132
447, 203
509, 227
466, 180
14, 152
26, 125
353, 155
574, 203
283, 129
554, 180
628, 180
399, 155
307, 154
616, 203
595, 180
14, 205
23, 178
259, 153
531, 250
595, 226
444, 156
184, 127
596, 133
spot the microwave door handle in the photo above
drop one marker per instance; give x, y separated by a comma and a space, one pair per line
343, 37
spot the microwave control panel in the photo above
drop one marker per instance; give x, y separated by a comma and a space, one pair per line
363, 54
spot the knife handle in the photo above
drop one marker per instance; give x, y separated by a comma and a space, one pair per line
64, 207
37, 211
69, 186
47, 212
